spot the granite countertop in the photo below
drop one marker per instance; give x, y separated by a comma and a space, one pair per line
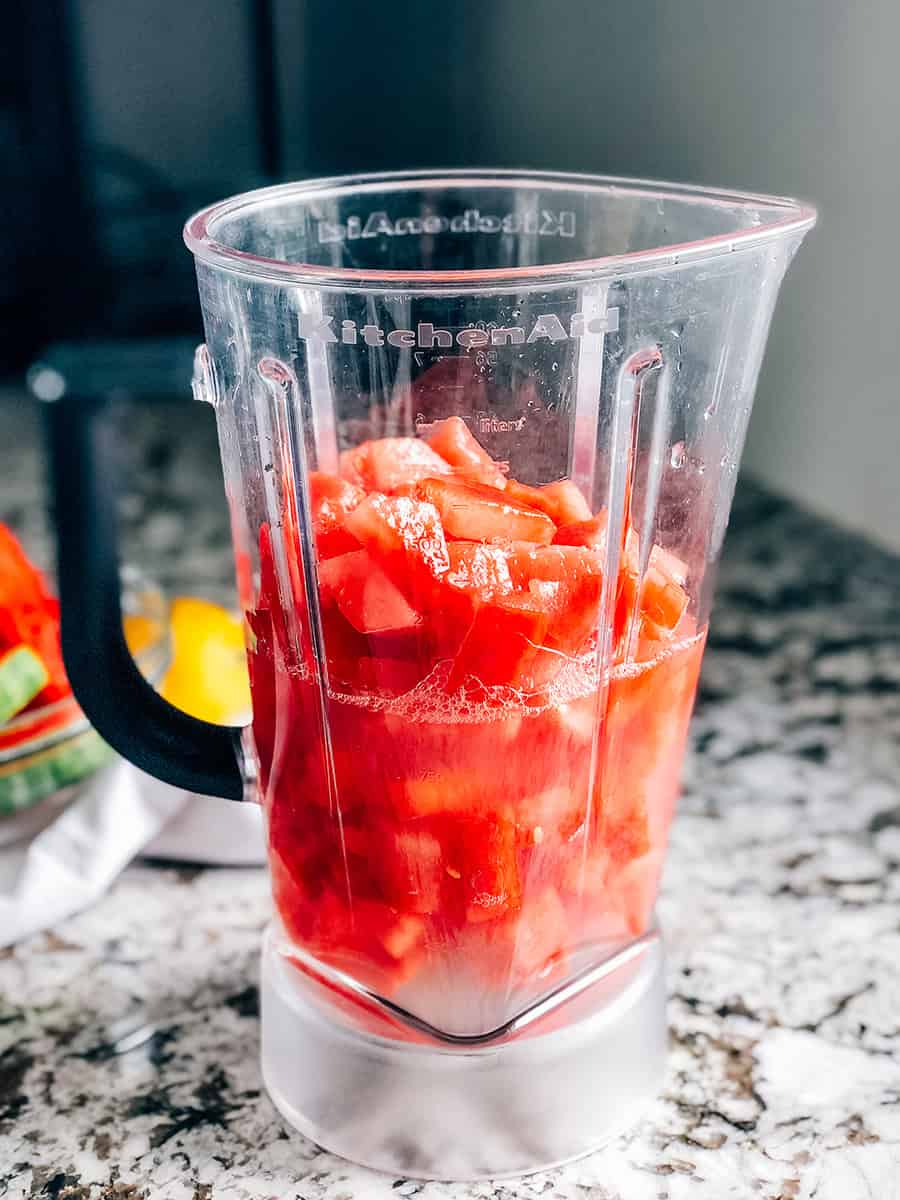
128, 1035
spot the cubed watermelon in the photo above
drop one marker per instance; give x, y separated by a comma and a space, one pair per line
331, 499
387, 675
670, 564
446, 791
505, 635
562, 501
478, 574
354, 466
624, 820
415, 873
390, 464
29, 615
478, 513
530, 497
405, 537
591, 533
559, 809
540, 936
364, 593
663, 600
568, 505
567, 582
464, 840
454, 442
481, 863
479, 569
638, 884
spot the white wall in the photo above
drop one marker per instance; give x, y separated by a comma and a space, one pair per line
793, 96
827, 427
822, 120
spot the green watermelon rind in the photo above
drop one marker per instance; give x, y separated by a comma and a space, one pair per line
31, 779
22, 676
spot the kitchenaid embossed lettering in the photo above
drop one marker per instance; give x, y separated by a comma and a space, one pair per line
544, 222
427, 336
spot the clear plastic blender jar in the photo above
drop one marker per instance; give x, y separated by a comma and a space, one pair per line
480, 433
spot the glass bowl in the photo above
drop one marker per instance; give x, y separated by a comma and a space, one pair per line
46, 752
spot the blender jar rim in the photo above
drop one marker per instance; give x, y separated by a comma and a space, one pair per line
788, 217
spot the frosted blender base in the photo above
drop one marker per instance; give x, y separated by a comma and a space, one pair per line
437, 1112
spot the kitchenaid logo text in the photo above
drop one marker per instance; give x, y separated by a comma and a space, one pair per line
545, 223
547, 327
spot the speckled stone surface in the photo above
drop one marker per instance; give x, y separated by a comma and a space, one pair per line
128, 1035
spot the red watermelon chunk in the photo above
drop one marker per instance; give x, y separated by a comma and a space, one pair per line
399, 933
354, 465
558, 809
505, 635
625, 825
663, 599
454, 442
479, 569
567, 582
478, 574
364, 594
405, 537
531, 497
388, 661
331, 500
669, 563
591, 533
370, 940
568, 505
397, 462
415, 866
387, 675
478, 513
636, 885
449, 791
489, 842
562, 501
480, 862
29, 615
540, 934
577, 719
391, 464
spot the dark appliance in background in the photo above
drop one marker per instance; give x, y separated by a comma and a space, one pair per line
119, 120
47, 234
89, 240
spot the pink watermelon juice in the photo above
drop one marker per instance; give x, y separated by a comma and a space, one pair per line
470, 809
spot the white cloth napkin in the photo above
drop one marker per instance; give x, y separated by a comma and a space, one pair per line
118, 814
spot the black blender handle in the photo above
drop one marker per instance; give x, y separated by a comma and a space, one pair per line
121, 705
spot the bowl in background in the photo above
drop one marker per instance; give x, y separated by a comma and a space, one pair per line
45, 753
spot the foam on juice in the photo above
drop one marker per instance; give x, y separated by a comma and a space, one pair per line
430, 702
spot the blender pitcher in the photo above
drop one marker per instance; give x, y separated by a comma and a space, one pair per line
480, 432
